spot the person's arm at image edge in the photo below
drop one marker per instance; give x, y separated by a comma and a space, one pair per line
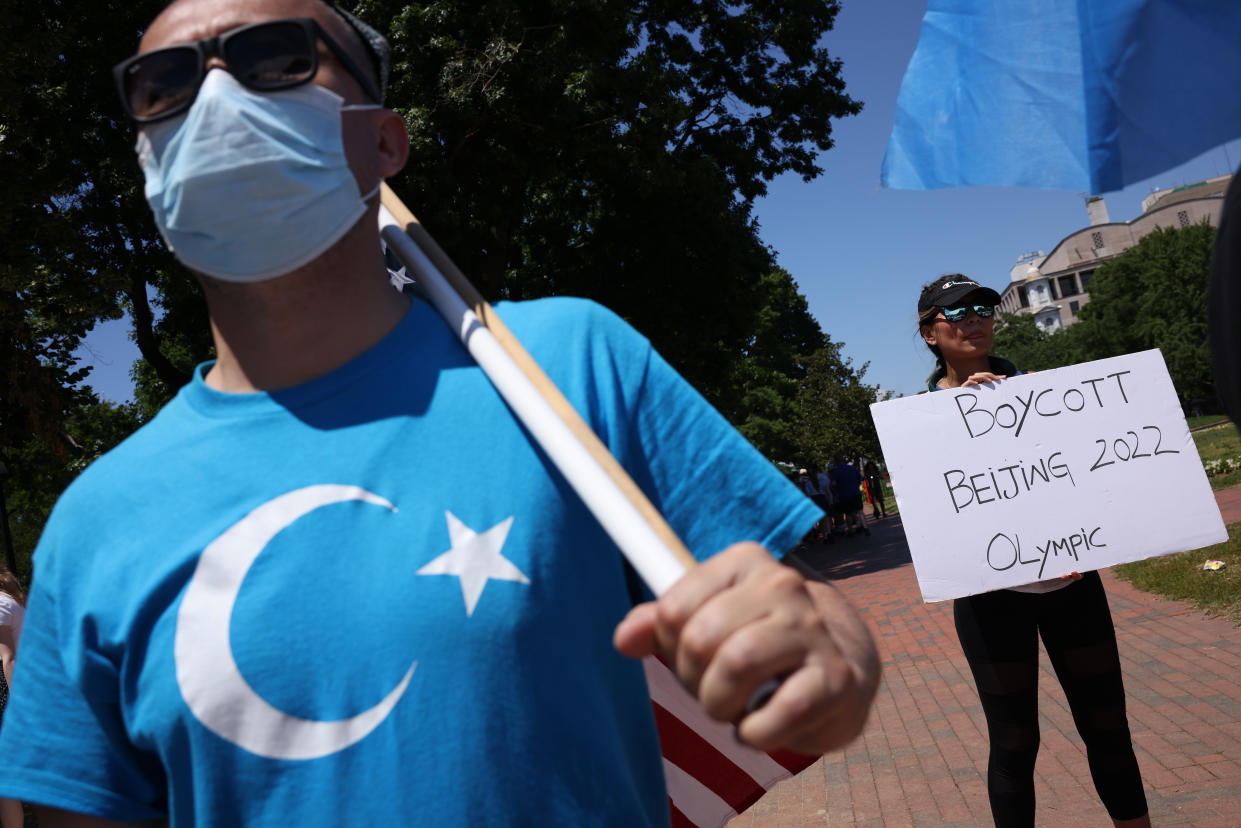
8, 653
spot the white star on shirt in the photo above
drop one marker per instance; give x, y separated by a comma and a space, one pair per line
475, 559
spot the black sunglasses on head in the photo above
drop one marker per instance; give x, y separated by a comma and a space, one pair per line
958, 312
274, 54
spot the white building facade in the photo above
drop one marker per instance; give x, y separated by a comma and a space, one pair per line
1055, 287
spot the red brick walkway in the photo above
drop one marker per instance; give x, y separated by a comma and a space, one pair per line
922, 759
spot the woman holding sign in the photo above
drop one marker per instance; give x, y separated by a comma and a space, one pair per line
999, 630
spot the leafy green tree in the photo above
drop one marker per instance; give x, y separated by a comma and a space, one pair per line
1154, 296
833, 417
39, 470
770, 375
613, 150
1020, 340
79, 244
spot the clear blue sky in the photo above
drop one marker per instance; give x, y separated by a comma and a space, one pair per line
859, 252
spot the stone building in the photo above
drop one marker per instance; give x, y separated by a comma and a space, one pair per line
1054, 287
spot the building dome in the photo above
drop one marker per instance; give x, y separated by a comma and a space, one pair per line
1032, 273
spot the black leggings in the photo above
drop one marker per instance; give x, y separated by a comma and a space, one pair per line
999, 633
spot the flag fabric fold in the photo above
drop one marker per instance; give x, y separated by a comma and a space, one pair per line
1087, 95
711, 777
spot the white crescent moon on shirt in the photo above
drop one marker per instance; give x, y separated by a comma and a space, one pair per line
210, 681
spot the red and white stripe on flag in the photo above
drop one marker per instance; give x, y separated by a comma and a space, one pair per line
711, 777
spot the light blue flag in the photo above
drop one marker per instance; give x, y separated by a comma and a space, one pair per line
1064, 94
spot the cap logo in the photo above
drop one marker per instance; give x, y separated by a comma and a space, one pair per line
947, 285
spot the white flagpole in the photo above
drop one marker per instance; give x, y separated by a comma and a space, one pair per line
620, 507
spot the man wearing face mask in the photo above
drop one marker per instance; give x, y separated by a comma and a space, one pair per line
286, 600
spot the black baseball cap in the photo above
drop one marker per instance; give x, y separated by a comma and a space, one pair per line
949, 293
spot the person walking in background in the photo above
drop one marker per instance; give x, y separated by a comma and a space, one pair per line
874, 486
12, 614
837, 505
847, 488
828, 523
806, 483
811, 483
999, 630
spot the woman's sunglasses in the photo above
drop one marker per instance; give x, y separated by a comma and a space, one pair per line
276, 54
958, 312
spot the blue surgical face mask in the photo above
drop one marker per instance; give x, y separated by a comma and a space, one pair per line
247, 186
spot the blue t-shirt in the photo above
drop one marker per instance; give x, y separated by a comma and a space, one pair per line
369, 600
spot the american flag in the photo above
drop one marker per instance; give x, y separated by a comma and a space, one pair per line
711, 777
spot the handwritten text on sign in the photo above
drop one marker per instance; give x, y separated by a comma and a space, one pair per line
1042, 474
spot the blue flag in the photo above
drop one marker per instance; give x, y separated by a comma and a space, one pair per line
1064, 94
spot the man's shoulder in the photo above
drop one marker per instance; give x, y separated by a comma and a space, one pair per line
146, 451
567, 334
563, 315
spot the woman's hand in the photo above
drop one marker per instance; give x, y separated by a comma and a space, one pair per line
1071, 576
982, 377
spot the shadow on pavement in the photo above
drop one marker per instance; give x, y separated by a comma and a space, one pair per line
849, 557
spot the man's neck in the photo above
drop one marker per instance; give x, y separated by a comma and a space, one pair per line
292, 329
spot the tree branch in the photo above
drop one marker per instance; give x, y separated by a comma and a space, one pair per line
144, 334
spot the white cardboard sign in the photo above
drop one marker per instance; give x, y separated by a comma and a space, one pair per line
1041, 474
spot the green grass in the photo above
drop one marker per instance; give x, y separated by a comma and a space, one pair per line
1209, 419
1182, 578
1218, 442
1225, 481
889, 499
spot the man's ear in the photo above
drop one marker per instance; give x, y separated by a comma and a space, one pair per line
393, 143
